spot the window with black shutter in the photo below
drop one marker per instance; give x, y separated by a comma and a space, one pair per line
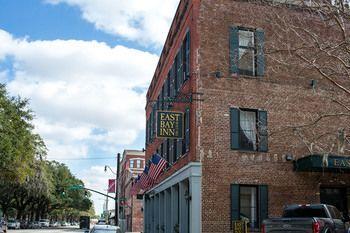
250, 204
161, 151
248, 129
172, 82
171, 150
186, 56
166, 150
247, 51
147, 129
179, 70
174, 152
162, 98
187, 130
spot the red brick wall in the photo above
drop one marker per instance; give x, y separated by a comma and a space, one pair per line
179, 29
288, 102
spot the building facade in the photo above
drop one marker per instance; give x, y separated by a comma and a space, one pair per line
245, 153
132, 164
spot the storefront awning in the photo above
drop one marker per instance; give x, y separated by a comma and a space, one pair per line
323, 163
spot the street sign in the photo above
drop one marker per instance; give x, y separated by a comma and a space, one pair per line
76, 187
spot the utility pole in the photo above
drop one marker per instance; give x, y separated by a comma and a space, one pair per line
116, 215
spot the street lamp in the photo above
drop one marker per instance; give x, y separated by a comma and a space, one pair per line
116, 211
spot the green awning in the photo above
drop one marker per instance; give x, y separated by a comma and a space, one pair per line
323, 163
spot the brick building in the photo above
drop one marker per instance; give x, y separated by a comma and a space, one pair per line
240, 157
132, 164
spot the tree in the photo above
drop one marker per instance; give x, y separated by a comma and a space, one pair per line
309, 42
29, 184
19, 146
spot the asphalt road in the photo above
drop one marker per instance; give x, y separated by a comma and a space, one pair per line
49, 230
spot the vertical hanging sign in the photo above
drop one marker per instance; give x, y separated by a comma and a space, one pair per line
170, 124
111, 186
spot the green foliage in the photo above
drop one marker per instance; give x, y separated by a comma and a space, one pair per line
19, 146
29, 185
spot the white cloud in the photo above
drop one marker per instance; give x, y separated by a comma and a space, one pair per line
81, 91
145, 21
95, 178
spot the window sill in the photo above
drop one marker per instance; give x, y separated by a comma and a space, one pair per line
248, 151
246, 76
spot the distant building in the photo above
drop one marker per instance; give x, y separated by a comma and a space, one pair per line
132, 164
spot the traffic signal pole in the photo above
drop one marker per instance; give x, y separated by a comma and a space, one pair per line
116, 215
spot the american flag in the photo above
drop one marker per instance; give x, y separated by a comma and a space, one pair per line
158, 164
145, 180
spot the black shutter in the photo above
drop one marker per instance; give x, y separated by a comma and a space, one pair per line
262, 130
146, 133
167, 151
179, 148
172, 81
162, 150
263, 203
179, 70
234, 124
171, 151
154, 120
187, 129
162, 98
234, 49
187, 56
166, 92
260, 58
235, 210
151, 126
174, 154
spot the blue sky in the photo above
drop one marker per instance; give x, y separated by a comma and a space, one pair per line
85, 65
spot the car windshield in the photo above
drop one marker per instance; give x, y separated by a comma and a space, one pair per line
305, 212
104, 230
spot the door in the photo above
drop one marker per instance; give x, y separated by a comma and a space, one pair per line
336, 197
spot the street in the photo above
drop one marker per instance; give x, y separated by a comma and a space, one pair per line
48, 230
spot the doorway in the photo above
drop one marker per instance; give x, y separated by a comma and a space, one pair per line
338, 197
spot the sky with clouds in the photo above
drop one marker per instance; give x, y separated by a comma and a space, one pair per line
85, 66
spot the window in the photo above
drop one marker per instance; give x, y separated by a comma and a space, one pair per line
248, 198
138, 163
186, 56
247, 51
186, 141
249, 203
131, 163
249, 130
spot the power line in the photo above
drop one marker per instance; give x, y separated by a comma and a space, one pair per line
90, 158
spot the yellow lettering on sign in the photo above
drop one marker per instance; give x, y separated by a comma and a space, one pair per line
341, 163
348, 163
336, 163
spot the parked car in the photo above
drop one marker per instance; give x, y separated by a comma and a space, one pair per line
34, 225
316, 218
24, 224
101, 222
104, 229
44, 223
3, 226
64, 224
13, 224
